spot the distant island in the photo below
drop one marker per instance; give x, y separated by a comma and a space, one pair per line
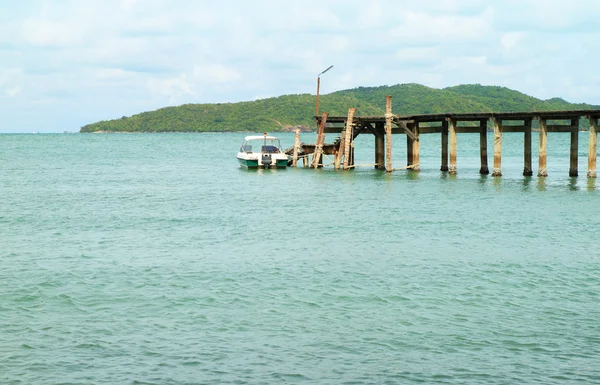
288, 112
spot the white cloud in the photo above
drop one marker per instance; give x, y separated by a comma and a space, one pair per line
216, 73
40, 32
510, 40
13, 91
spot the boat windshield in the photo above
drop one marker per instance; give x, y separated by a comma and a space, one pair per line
270, 145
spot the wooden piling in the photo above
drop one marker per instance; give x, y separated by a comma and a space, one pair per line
348, 138
452, 134
388, 133
444, 166
483, 170
542, 172
592, 152
527, 169
574, 147
416, 149
337, 161
497, 147
409, 149
379, 146
296, 147
318, 154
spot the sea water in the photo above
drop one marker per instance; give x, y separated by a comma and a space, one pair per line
155, 259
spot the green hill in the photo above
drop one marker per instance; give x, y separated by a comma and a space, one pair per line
283, 112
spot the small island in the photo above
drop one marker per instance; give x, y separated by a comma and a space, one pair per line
290, 112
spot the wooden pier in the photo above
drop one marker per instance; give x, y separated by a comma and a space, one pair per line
448, 125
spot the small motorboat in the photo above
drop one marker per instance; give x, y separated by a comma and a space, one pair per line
262, 152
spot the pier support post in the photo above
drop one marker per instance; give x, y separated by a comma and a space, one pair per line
337, 161
497, 148
452, 132
317, 161
542, 172
379, 146
444, 166
416, 149
348, 138
409, 147
527, 170
388, 133
574, 147
592, 148
296, 147
484, 170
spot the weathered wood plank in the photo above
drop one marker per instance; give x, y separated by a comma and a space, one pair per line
452, 134
318, 154
349, 136
497, 148
542, 152
388, 133
592, 150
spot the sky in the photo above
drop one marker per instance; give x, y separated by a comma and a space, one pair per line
65, 64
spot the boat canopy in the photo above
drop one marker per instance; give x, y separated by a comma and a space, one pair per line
260, 137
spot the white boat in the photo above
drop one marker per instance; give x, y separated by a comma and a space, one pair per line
262, 152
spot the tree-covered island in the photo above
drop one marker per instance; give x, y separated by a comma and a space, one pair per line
285, 113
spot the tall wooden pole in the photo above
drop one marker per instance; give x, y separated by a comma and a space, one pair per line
497, 148
527, 169
592, 148
542, 172
388, 133
444, 166
452, 132
483, 170
317, 102
574, 147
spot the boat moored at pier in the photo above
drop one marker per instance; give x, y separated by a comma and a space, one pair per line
261, 152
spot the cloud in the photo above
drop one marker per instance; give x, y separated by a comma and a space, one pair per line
510, 40
13, 91
39, 32
116, 57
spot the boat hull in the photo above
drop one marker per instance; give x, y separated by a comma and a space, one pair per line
256, 163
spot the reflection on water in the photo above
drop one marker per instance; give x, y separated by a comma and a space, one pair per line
541, 185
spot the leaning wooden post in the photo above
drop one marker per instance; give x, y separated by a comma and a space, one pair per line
348, 138
497, 147
592, 148
388, 133
452, 132
542, 172
574, 147
379, 146
444, 166
527, 169
484, 170
318, 154
296, 147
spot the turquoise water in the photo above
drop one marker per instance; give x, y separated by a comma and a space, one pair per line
155, 259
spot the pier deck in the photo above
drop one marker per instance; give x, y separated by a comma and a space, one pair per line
448, 125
